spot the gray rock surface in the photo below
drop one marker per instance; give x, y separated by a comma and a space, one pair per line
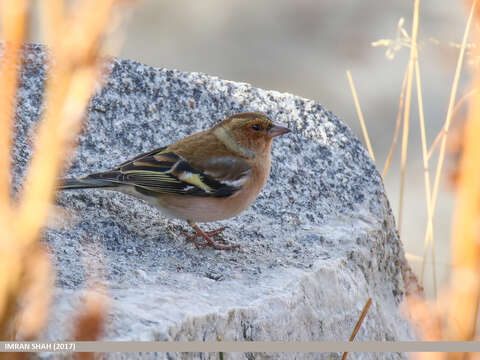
318, 242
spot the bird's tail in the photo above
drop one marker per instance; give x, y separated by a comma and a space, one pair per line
88, 182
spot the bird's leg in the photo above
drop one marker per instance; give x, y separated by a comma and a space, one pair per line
207, 237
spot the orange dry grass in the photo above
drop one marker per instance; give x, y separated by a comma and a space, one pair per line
13, 31
13, 20
24, 266
454, 316
90, 320
464, 298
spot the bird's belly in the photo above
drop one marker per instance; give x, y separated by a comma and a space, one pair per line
204, 209
166, 206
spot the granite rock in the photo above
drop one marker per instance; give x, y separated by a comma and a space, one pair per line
316, 244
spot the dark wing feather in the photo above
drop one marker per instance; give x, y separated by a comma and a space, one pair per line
153, 152
162, 171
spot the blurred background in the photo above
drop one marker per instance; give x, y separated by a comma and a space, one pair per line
304, 47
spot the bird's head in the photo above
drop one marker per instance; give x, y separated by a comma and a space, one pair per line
251, 131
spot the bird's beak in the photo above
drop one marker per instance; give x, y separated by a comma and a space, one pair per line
277, 130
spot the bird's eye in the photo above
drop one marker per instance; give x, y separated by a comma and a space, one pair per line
257, 127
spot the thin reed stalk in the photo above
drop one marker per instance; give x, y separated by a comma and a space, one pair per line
360, 116
406, 117
453, 317
453, 95
426, 175
398, 123
365, 309
457, 107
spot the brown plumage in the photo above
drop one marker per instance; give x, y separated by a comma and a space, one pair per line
208, 176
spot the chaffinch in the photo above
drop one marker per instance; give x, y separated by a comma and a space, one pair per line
211, 175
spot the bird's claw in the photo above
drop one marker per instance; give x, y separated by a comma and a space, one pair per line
209, 242
216, 231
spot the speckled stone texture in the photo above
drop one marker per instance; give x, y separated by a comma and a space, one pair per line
317, 243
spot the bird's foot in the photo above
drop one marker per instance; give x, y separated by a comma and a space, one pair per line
208, 241
216, 231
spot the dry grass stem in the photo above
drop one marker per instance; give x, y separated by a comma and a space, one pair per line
457, 107
465, 282
360, 116
52, 19
25, 273
90, 321
71, 81
398, 123
13, 15
426, 173
453, 317
35, 301
358, 324
453, 95
406, 114
427, 319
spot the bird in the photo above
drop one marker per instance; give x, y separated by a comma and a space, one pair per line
211, 175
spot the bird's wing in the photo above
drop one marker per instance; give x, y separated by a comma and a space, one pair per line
163, 171
153, 152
